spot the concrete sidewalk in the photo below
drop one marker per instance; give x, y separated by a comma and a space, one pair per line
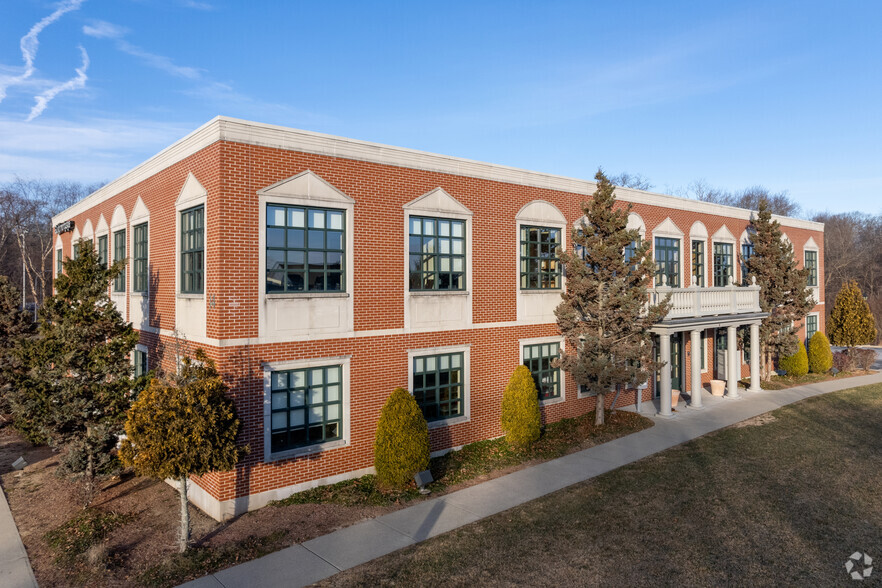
15, 568
320, 558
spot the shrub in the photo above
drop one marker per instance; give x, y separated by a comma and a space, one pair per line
401, 447
842, 361
851, 321
820, 357
795, 365
863, 358
520, 409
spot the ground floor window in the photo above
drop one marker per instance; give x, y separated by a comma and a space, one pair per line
307, 407
438, 385
139, 359
811, 326
538, 358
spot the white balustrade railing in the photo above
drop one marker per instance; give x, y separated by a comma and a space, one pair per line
697, 302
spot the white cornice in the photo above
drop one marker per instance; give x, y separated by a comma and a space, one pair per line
240, 131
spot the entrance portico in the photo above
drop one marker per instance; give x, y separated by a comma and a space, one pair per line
695, 310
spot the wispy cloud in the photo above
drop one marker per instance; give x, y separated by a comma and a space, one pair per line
101, 29
198, 5
75, 83
30, 43
105, 30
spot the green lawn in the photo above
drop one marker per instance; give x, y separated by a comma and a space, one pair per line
782, 499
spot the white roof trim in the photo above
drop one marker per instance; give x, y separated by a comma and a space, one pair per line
252, 133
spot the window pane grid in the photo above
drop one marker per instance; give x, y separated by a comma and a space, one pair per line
746, 254
305, 249
437, 254
538, 359
306, 407
139, 259
722, 264
58, 266
119, 252
698, 263
540, 267
102, 251
811, 326
667, 261
811, 264
438, 385
192, 250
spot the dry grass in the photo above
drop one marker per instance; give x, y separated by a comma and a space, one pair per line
782, 502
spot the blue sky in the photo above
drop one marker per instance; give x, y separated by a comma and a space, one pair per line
783, 94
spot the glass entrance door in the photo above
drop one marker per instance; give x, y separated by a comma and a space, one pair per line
676, 363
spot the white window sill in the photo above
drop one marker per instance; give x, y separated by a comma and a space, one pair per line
191, 296
551, 401
438, 292
541, 291
291, 295
139, 294
308, 450
449, 422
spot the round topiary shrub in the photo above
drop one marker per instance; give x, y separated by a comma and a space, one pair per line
795, 365
520, 409
401, 447
820, 356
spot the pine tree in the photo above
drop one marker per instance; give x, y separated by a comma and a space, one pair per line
604, 315
79, 379
851, 322
183, 428
783, 291
15, 327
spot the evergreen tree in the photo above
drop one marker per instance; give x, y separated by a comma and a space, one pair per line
181, 429
604, 315
79, 379
851, 322
15, 327
521, 420
783, 291
401, 443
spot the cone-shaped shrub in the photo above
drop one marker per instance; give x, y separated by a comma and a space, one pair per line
851, 322
401, 447
797, 364
520, 409
820, 356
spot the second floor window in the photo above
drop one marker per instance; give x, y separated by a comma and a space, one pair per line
437, 254
540, 267
811, 264
722, 264
139, 258
667, 261
58, 265
811, 326
746, 254
698, 263
119, 253
304, 249
102, 251
193, 250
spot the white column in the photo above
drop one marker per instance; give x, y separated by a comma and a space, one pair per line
733, 369
697, 350
754, 358
664, 348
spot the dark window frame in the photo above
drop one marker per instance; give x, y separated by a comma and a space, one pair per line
119, 252
813, 319
540, 267
140, 253
299, 258
812, 280
747, 251
431, 384
193, 250
102, 251
698, 262
429, 253
540, 367
59, 256
140, 363
300, 403
723, 252
667, 255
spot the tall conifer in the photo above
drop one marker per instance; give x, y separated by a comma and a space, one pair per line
851, 322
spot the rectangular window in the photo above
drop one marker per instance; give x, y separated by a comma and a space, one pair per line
811, 264
811, 326
139, 258
438, 385
538, 358
437, 254
667, 261
703, 350
119, 253
140, 361
698, 263
630, 251
102, 251
306, 407
193, 250
540, 267
722, 264
746, 254
304, 249
58, 265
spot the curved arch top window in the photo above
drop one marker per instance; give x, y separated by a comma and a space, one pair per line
119, 252
304, 249
102, 251
698, 263
722, 264
667, 261
811, 264
437, 254
540, 267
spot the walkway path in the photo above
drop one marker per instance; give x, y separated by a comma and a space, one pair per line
15, 568
320, 558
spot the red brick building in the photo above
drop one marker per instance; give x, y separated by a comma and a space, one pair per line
321, 272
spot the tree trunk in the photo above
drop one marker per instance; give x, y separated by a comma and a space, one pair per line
90, 479
185, 516
600, 410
